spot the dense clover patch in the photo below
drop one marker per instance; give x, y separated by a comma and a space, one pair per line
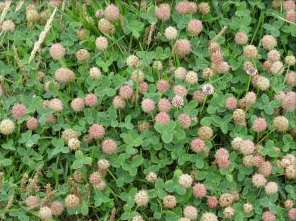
147, 110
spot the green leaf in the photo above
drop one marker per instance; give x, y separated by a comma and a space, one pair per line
199, 160
206, 121
170, 186
134, 27
268, 109
5, 162
81, 160
8, 145
167, 137
84, 208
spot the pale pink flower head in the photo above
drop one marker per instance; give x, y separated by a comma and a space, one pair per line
57, 208
132, 61
274, 55
126, 92
112, 12
137, 76
95, 178
141, 198
231, 103
32, 123
216, 57
221, 157
101, 43
148, 105
289, 5
250, 98
281, 123
45, 213
199, 190
292, 214
289, 101
241, 38
291, 16
258, 180
182, 48
96, 131
264, 167
56, 105
77, 104
164, 105
169, 201
191, 77
180, 73
118, 102
32, 202
57, 51
178, 101
7, 26
246, 147
223, 162
185, 180
82, 55
171, 33
221, 153
180, 90
157, 65
64, 75
198, 145
199, 96
212, 202
90, 100
190, 212
222, 68
163, 12
95, 73
266, 65
250, 52
185, 120
194, 27
214, 46
99, 13
162, 118
106, 26
19, 111
192, 7
268, 42
55, 3
208, 89
51, 119
258, 161
143, 87
268, 216
259, 125
205, 133
204, 8
182, 7
109, 146
162, 86
271, 188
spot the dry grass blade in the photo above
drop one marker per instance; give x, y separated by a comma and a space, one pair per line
42, 36
5, 10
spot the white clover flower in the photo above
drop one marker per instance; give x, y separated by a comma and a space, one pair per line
208, 89
178, 101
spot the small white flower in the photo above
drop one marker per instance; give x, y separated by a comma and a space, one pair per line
250, 69
208, 89
178, 101
171, 33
